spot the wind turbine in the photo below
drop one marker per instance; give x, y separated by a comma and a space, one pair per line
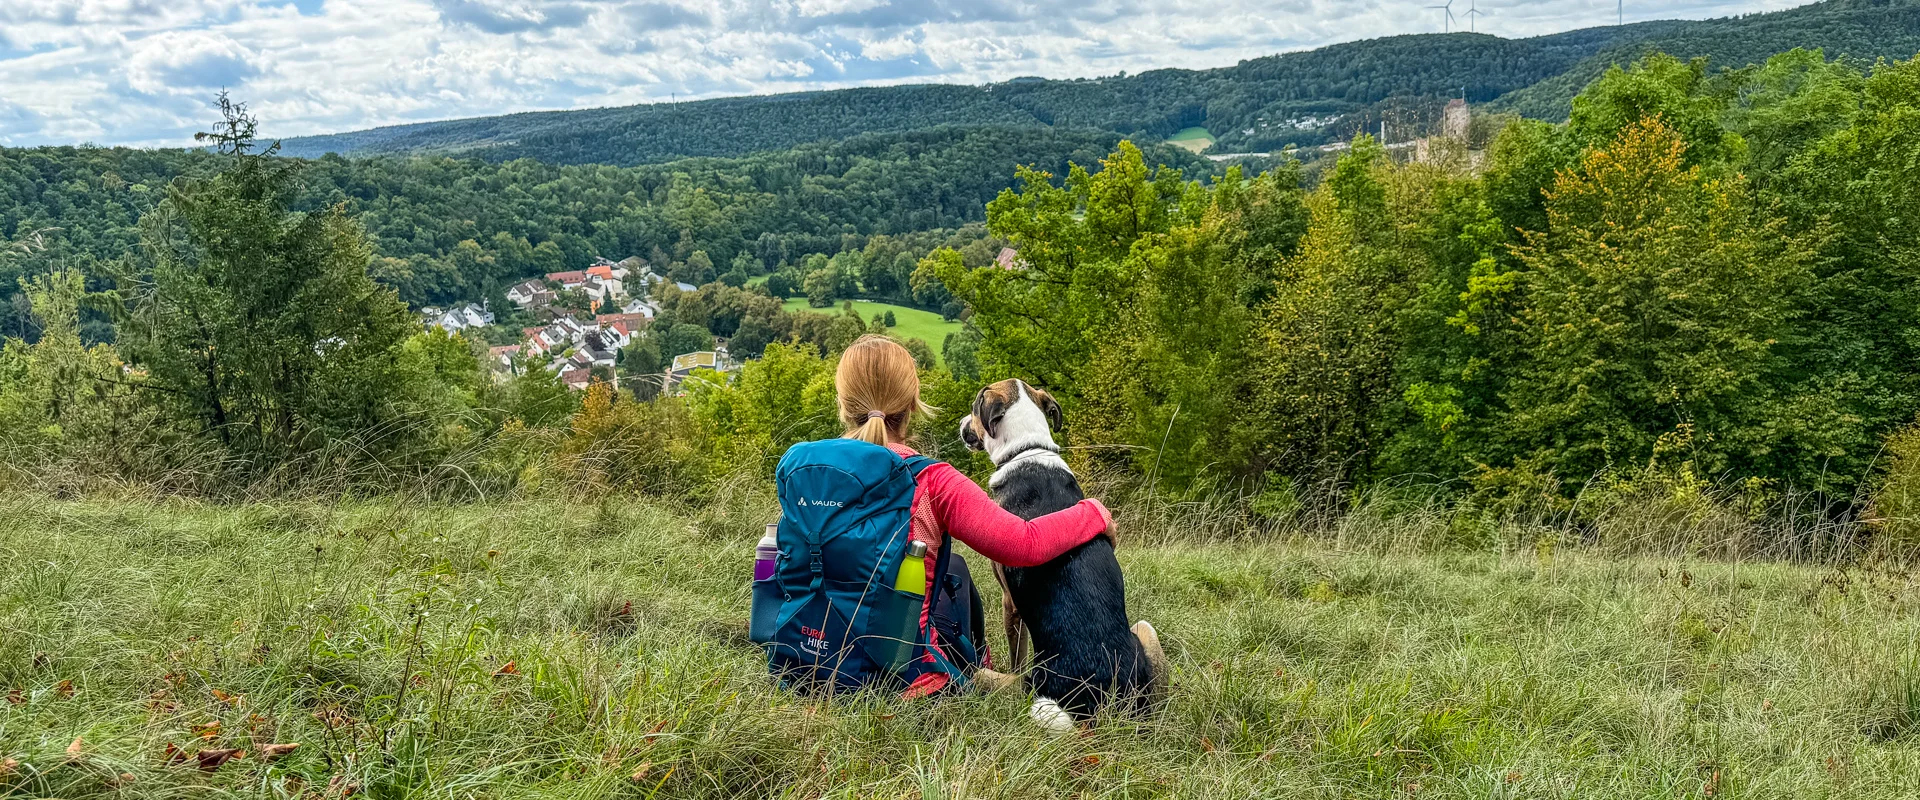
1446, 22
1619, 12
1472, 12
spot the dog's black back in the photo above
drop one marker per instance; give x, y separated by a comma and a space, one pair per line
1075, 606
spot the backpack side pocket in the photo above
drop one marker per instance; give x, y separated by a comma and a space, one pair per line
765, 616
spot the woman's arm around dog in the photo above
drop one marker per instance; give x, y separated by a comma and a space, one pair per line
968, 514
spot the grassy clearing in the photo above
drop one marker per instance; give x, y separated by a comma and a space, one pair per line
1194, 139
914, 323
378, 636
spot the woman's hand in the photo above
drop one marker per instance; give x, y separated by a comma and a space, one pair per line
1106, 516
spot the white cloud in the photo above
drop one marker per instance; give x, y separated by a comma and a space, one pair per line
191, 62
142, 71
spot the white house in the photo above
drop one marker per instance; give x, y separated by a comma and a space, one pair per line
529, 293
599, 348
604, 290
471, 315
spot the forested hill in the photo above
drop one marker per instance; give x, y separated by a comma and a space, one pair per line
1257, 105
451, 230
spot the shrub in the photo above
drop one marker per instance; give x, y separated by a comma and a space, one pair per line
1895, 513
615, 443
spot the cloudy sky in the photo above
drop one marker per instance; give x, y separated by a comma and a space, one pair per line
141, 72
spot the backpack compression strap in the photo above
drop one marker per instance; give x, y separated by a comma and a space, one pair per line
941, 664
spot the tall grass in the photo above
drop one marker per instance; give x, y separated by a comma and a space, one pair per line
1379, 653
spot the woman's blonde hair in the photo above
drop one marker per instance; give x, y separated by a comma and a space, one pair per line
879, 387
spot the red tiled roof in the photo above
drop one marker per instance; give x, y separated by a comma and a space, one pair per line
613, 319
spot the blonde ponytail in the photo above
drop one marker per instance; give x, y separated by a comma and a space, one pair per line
879, 388
873, 431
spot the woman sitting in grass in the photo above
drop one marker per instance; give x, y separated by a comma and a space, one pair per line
879, 389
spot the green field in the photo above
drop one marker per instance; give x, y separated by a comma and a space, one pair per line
597, 649
1194, 139
913, 323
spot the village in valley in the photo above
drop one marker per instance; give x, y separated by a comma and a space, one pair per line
587, 316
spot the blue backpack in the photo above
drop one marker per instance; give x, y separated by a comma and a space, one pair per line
830, 615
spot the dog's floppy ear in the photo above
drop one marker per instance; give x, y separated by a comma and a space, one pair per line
988, 407
1051, 407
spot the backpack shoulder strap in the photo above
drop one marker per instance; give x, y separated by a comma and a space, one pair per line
917, 463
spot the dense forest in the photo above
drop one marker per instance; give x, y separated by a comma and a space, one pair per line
1259, 105
460, 230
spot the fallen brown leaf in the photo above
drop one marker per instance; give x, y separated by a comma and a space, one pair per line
207, 730
175, 756
342, 786
64, 688
211, 760
15, 697
641, 773
7, 766
1206, 744
228, 698
124, 779
510, 668
77, 750
269, 752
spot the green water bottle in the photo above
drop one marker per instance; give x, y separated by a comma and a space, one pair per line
913, 570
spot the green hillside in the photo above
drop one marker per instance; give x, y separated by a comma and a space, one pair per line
1254, 106
912, 323
1195, 139
525, 218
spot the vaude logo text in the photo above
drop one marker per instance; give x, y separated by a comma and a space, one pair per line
804, 502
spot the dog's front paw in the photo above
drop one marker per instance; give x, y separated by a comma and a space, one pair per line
1050, 716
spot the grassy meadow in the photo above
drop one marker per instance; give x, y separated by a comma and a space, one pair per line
1194, 139
598, 649
914, 323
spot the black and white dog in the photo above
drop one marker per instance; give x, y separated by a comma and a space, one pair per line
1075, 606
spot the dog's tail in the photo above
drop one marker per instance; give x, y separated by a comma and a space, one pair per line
1156, 659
